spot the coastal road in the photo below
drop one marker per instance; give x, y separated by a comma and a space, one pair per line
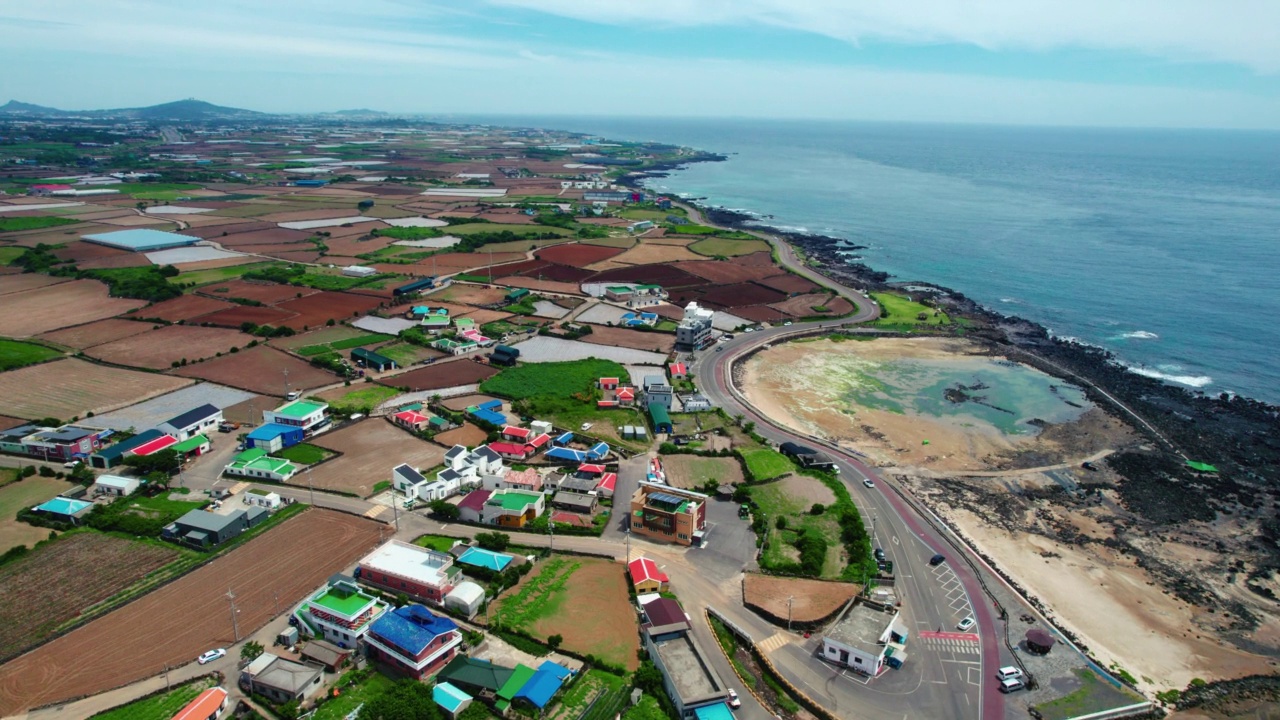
942, 678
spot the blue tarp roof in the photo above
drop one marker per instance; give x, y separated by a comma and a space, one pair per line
563, 453
448, 696
544, 684
270, 431
412, 627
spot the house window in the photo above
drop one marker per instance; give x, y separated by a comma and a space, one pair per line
858, 660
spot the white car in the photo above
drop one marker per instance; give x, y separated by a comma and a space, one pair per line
786, 324
71, 464
867, 482
749, 330
1009, 673
586, 427
734, 702
212, 655
966, 624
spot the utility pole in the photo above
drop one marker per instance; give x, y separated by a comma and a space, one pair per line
235, 623
628, 542
395, 508
286, 383
166, 677
551, 528
311, 487
276, 596
789, 599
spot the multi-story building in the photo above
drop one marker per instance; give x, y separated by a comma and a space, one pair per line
687, 675
657, 390
665, 513
694, 331
309, 415
413, 641
341, 613
398, 567
512, 508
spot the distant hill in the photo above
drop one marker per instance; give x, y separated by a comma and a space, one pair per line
190, 109
14, 107
361, 112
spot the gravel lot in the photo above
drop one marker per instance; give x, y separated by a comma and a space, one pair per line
602, 314
550, 349
157, 410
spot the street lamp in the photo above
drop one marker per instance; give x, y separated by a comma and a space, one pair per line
789, 599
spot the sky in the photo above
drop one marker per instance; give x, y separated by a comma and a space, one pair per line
1157, 63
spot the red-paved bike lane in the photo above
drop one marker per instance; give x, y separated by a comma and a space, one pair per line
983, 607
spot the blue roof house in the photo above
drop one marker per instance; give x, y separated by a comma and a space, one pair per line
274, 436
544, 684
413, 640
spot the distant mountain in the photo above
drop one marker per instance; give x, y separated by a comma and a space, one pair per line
14, 107
190, 109
361, 112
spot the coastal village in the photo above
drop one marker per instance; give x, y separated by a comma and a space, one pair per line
346, 419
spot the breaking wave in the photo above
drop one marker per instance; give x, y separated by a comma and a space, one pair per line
1195, 381
1140, 335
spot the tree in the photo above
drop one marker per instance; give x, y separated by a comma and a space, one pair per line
648, 678
251, 650
166, 461
817, 509
495, 541
159, 479
406, 700
554, 641
444, 510
402, 599
364, 205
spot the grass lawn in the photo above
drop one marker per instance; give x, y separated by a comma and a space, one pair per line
765, 464
9, 254
14, 224
303, 453
436, 542
555, 379
355, 688
158, 707
27, 492
363, 399
647, 709
1094, 695
898, 312
520, 230
408, 233
604, 422
406, 354
666, 326
343, 344
775, 502
726, 248
16, 354
212, 275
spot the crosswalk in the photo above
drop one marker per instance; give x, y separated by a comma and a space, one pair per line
375, 511
947, 644
774, 641
239, 488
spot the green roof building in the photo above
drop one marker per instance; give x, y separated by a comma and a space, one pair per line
256, 463
372, 360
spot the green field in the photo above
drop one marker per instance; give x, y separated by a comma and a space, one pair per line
408, 233
158, 707
647, 709
556, 379
766, 464
521, 230
721, 247
342, 344
603, 692
303, 454
9, 254
14, 224
355, 688
775, 502
362, 400
406, 354
620, 241
898, 311
213, 275
27, 492
16, 354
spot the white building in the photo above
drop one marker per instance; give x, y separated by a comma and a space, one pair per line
694, 331
861, 637
115, 485
196, 421
466, 598
258, 498
359, 271
306, 414
468, 469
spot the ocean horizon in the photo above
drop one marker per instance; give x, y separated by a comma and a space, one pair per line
1161, 246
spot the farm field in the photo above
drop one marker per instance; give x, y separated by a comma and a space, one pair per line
260, 370
303, 454
561, 380
468, 435
363, 340
85, 336
582, 599
177, 622
691, 471
24, 281
728, 248
792, 498
263, 292
361, 398
40, 310
442, 375
156, 410
467, 294
20, 494
159, 349
95, 564
577, 255
647, 253
407, 355
323, 336
237, 315
814, 600
370, 448
315, 310
16, 354
552, 349
635, 339
72, 387
185, 308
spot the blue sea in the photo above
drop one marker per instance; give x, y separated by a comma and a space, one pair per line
1162, 246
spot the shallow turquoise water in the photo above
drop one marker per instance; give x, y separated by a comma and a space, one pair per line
1003, 395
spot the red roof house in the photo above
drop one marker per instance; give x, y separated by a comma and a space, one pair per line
155, 446
607, 484
585, 469
412, 419
516, 433
539, 441
206, 705
513, 451
646, 576
678, 370
607, 383
626, 396
471, 505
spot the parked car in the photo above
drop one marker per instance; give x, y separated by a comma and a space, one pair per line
215, 654
1008, 686
879, 553
71, 464
1008, 673
966, 624
786, 324
734, 702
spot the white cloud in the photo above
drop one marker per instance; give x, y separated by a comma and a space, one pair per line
1240, 31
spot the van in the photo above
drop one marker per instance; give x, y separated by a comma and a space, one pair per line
1009, 673
1011, 684
293, 395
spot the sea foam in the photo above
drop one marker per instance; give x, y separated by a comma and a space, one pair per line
1195, 381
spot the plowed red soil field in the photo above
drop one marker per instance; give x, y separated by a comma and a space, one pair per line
742, 295
370, 448
724, 272
636, 339
63, 388
759, 313
96, 333
185, 308
802, 305
577, 255
268, 235
159, 349
176, 623
57, 306
27, 281
813, 600
788, 283
234, 315
468, 435
314, 310
665, 275
263, 292
442, 375
261, 370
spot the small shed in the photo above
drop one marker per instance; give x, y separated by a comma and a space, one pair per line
372, 360
466, 598
450, 698
116, 485
274, 436
1039, 641
328, 655
661, 419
